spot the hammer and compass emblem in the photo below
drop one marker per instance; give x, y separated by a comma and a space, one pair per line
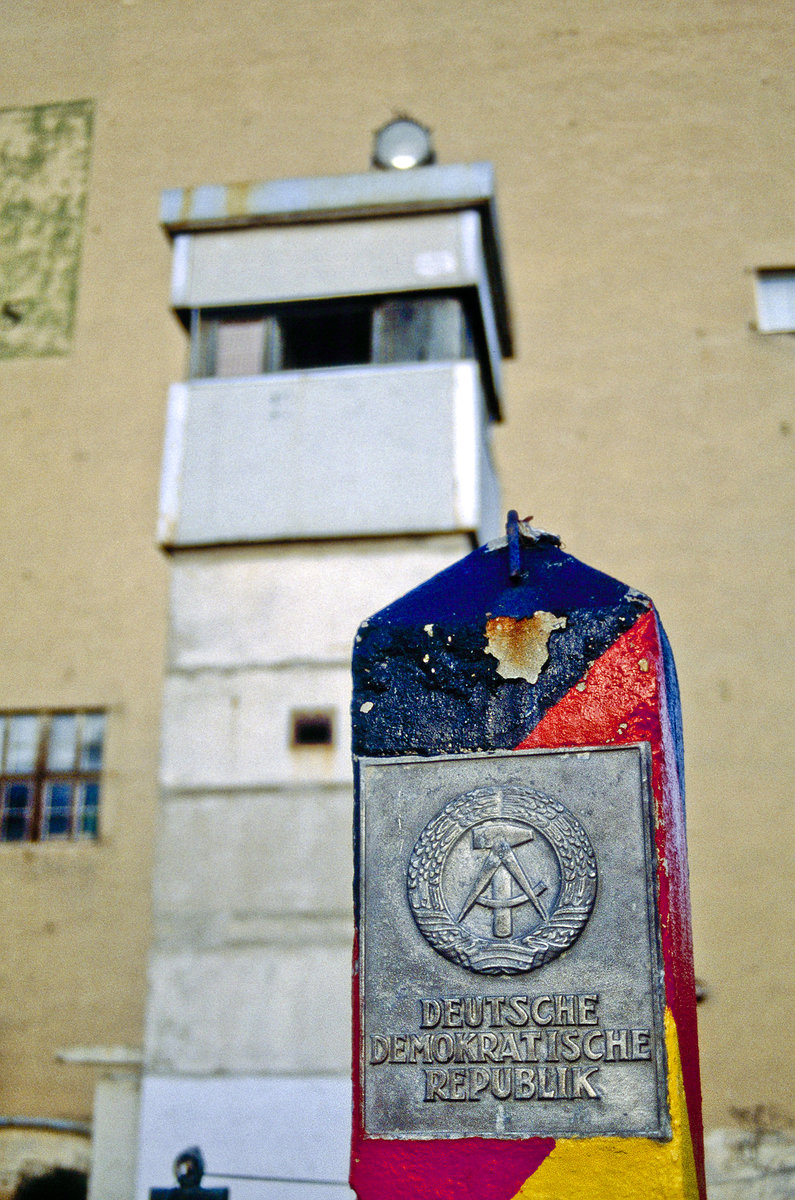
501, 870
520, 858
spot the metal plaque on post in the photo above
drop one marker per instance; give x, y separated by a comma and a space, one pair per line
511, 962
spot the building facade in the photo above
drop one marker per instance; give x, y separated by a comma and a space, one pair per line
644, 184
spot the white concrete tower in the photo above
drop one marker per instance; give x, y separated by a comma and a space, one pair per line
329, 451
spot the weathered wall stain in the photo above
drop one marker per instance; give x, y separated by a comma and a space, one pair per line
521, 645
44, 154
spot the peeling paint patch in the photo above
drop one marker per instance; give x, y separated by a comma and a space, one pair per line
464, 701
520, 645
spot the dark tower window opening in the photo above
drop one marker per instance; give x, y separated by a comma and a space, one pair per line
309, 335
335, 334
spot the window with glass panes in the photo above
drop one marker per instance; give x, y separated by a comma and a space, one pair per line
50, 764
350, 331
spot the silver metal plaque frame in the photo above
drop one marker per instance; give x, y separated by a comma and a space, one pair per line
512, 979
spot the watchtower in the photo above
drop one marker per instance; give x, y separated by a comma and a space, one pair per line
328, 449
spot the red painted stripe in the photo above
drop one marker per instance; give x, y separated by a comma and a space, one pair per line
467, 1169
622, 702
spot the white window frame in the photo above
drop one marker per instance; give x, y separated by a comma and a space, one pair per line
774, 289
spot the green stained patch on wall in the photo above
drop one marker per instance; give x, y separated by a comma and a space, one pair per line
44, 156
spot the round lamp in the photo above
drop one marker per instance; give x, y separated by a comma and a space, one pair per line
402, 144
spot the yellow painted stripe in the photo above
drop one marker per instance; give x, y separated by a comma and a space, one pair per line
624, 1168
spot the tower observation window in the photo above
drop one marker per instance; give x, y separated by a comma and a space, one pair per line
299, 336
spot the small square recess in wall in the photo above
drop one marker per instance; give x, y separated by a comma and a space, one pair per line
311, 727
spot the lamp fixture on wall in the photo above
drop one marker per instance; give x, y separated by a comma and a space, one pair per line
401, 144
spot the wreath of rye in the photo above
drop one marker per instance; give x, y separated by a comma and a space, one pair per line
493, 956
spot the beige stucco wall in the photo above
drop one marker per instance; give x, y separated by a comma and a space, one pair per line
641, 151
84, 594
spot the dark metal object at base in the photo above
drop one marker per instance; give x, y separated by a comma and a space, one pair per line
189, 1169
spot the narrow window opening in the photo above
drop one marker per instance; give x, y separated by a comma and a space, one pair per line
312, 729
326, 336
775, 299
